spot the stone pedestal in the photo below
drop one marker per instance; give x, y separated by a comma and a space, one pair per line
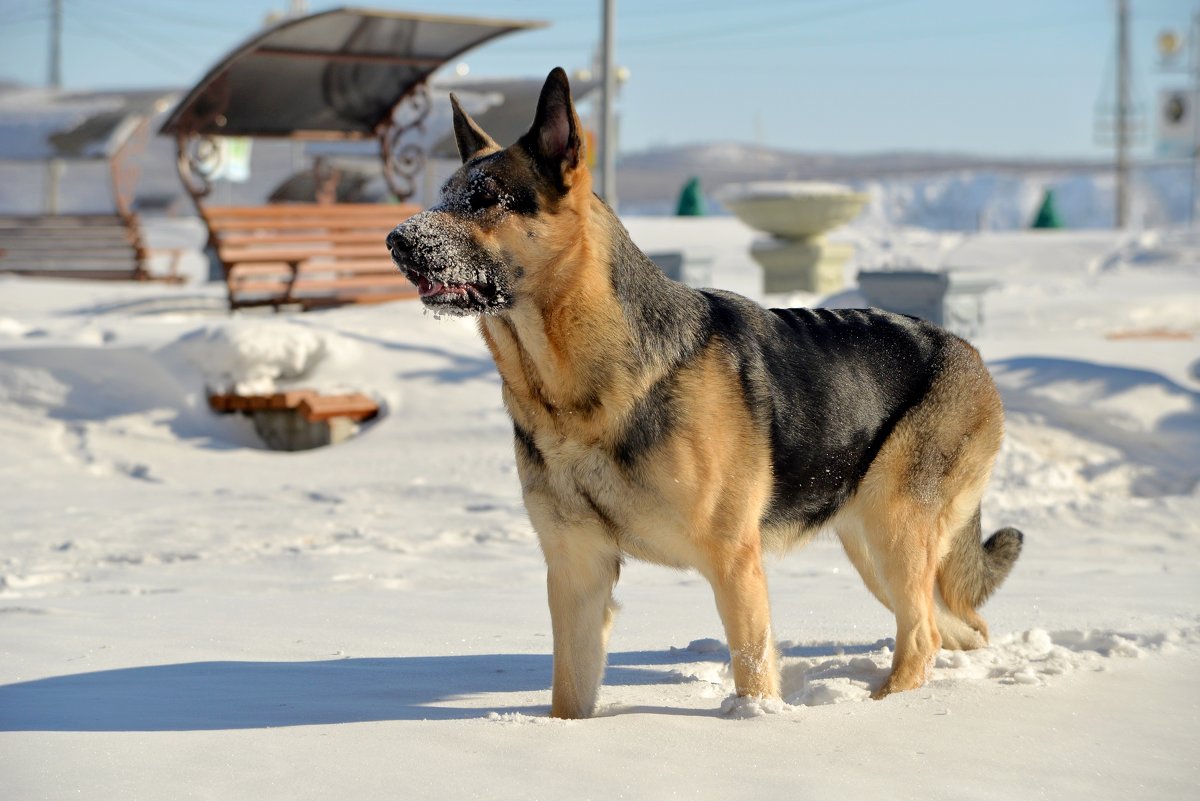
811, 265
797, 214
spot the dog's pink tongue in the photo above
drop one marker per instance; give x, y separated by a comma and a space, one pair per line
426, 287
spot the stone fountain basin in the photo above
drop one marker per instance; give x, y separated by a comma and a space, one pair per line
793, 209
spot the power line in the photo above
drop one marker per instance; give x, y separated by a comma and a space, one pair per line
766, 25
40, 16
945, 33
851, 41
691, 9
148, 35
22, 6
130, 44
144, 13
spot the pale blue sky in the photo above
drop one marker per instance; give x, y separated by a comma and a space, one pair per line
1012, 78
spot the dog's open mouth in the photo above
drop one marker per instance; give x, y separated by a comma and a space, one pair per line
462, 298
430, 289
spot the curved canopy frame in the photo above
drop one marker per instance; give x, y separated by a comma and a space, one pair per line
342, 74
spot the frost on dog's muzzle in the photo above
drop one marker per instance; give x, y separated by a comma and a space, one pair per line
449, 269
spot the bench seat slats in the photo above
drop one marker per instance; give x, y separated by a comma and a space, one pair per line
89, 274
396, 285
62, 221
280, 252
104, 247
368, 237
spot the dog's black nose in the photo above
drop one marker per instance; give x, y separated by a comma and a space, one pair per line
394, 239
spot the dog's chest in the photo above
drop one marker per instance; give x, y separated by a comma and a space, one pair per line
584, 473
585, 482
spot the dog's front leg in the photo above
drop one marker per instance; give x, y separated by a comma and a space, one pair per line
740, 586
582, 566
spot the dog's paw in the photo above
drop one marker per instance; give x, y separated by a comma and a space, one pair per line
741, 707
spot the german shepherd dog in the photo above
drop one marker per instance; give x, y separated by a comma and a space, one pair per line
695, 429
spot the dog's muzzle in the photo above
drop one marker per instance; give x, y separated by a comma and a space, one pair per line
440, 262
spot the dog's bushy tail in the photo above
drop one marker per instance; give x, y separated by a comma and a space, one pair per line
972, 569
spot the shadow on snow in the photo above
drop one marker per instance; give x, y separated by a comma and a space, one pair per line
206, 696
1071, 394
243, 695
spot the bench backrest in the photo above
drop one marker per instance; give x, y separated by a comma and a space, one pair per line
306, 254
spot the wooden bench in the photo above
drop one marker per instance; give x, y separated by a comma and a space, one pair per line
106, 247
308, 254
310, 405
299, 419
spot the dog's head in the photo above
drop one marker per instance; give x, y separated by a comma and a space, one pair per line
505, 216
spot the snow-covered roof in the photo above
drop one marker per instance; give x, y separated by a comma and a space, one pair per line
40, 124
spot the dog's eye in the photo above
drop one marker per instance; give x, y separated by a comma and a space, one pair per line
482, 192
483, 196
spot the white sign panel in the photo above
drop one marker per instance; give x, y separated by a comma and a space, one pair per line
235, 159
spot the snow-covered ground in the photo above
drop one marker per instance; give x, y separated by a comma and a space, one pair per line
184, 614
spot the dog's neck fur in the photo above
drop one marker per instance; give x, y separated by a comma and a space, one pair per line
570, 336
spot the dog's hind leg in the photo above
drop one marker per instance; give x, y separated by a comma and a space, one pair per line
740, 586
908, 551
893, 544
582, 566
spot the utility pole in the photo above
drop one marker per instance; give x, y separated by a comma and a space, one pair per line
1124, 108
55, 165
608, 96
55, 74
1194, 64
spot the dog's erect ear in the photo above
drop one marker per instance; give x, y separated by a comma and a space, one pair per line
471, 139
554, 140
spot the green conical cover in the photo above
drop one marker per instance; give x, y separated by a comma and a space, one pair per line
1047, 216
691, 200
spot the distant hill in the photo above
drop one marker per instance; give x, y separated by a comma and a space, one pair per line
942, 191
654, 175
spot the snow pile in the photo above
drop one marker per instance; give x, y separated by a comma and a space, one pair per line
984, 200
1033, 657
520, 719
253, 357
12, 329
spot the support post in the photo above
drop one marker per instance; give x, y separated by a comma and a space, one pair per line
54, 77
55, 166
1194, 65
608, 95
1124, 107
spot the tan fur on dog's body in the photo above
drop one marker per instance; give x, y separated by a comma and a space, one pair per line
573, 375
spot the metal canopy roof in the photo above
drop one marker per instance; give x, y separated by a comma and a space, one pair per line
335, 74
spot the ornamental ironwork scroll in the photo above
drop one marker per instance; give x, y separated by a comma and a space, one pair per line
403, 160
199, 158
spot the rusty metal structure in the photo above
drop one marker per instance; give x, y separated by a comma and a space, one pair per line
344, 74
